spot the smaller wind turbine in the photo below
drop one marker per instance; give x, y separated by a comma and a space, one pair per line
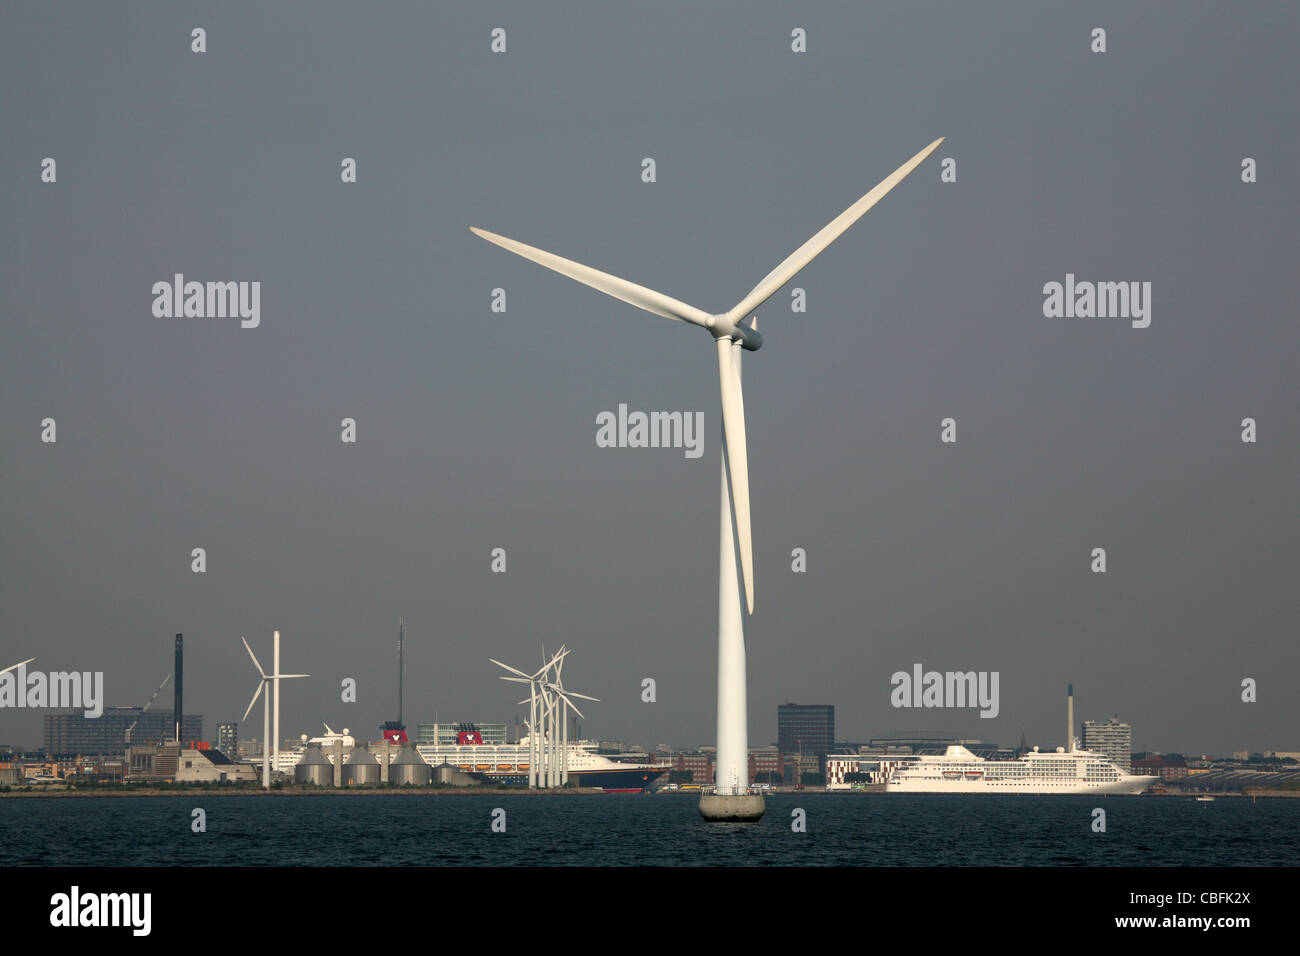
548, 724
532, 716
558, 688
564, 697
536, 740
146, 707
274, 680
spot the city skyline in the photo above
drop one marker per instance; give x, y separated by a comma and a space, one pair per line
155, 724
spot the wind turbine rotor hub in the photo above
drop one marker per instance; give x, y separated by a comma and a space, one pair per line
722, 327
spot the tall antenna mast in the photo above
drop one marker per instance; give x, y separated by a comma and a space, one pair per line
401, 670
177, 703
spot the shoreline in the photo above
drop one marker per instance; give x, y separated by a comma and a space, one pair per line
297, 791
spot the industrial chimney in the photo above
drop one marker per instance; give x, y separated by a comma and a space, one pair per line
1069, 719
176, 706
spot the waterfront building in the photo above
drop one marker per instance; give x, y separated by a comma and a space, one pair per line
72, 732
1166, 768
228, 739
248, 748
807, 729
211, 766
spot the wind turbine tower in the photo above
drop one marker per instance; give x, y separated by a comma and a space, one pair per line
270, 749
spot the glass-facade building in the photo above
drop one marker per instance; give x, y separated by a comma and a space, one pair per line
74, 733
805, 728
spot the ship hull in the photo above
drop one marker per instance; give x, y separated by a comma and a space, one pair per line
636, 778
1122, 786
632, 780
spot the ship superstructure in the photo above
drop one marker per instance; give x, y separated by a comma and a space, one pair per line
508, 763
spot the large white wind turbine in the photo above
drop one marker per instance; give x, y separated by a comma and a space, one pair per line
274, 680
731, 334
276, 677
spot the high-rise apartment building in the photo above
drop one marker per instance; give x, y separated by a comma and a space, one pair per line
228, 739
1112, 738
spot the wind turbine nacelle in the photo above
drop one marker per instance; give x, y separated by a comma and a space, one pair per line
723, 328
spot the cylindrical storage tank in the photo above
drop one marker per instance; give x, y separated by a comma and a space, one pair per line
361, 769
409, 768
448, 773
314, 768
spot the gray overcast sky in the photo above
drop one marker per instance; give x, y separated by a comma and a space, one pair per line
477, 430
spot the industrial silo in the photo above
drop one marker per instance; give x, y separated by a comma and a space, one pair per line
408, 768
314, 768
361, 769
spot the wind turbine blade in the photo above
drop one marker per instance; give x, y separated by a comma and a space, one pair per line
832, 231
254, 657
12, 667
257, 694
287, 676
630, 292
517, 680
564, 697
733, 426
508, 667
559, 656
582, 696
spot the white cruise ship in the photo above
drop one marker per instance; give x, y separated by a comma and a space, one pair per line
960, 771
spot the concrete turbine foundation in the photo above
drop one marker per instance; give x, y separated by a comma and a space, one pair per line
732, 807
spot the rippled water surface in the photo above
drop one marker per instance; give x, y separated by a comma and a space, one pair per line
617, 830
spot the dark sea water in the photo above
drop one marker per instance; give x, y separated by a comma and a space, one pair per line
644, 830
